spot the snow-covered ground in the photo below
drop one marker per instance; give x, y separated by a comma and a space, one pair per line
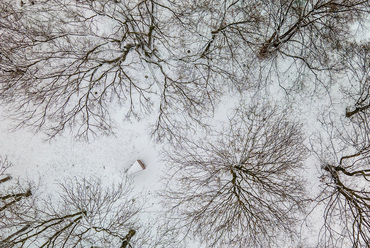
111, 157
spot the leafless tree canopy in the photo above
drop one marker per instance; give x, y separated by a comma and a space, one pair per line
67, 64
85, 214
346, 192
238, 187
345, 159
250, 39
59, 68
63, 61
13, 193
356, 58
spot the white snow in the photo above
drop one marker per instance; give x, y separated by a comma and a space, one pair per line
110, 157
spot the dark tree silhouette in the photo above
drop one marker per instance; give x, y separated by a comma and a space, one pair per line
356, 59
64, 62
344, 158
238, 187
12, 191
85, 213
251, 39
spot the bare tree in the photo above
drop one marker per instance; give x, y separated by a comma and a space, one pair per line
239, 187
357, 90
84, 214
63, 62
259, 40
12, 191
347, 218
344, 156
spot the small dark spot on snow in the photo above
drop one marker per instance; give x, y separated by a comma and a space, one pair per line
146, 76
96, 92
189, 51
